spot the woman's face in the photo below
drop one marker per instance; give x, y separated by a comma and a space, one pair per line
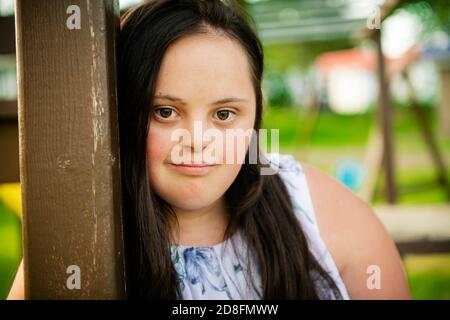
198, 77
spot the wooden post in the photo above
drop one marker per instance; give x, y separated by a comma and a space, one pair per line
7, 45
427, 133
444, 103
385, 118
9, 142
69, 149
9, 136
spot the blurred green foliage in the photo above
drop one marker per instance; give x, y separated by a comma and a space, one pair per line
298, 128
10, 248
434, 14
429, 276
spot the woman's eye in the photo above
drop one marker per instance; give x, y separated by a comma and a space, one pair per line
225, 115
165, 113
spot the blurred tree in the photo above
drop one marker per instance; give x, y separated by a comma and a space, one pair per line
283, 56
435, 14
277, 90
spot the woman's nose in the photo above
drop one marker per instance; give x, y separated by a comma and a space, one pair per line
197, 129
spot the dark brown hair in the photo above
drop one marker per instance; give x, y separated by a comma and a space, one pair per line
258, 205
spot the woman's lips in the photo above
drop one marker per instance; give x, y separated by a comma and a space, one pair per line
193, 169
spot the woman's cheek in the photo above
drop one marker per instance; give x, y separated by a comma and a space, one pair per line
158, 146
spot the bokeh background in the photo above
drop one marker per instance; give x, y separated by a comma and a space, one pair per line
322, 91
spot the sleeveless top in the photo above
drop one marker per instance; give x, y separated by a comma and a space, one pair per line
220, 271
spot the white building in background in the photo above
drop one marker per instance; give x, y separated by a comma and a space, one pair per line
349, 79
351, 89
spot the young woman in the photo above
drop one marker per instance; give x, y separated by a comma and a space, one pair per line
220, 230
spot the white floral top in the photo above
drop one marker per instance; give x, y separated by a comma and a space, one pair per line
219, 272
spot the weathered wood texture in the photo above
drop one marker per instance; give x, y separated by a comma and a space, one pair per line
69, 149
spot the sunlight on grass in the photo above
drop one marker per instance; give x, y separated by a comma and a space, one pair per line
429, 275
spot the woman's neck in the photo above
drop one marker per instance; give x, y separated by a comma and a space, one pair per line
201, 227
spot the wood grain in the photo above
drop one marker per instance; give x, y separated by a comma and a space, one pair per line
69, 149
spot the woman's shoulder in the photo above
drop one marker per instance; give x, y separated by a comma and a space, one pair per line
352, 233
340, 214
326, 198
318, 198
355, 237
337, 209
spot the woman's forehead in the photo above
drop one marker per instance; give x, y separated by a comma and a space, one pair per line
205, 64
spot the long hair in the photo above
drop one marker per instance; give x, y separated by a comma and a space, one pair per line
258, 205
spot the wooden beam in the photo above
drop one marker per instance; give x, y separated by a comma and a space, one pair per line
385, 121
373, 159
9, 142
444, 101
417, 229
69, 150
428, 136
413, 222
384, 11
7, 44
8, 110
423, 247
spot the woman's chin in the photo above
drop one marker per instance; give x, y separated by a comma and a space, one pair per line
191, 203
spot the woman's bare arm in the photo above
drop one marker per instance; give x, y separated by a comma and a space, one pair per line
357, 240
17, 291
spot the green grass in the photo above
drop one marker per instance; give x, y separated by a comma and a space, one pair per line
298, 128
10, 248
429, 276
415, 186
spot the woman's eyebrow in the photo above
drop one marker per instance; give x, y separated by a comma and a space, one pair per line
179, 100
